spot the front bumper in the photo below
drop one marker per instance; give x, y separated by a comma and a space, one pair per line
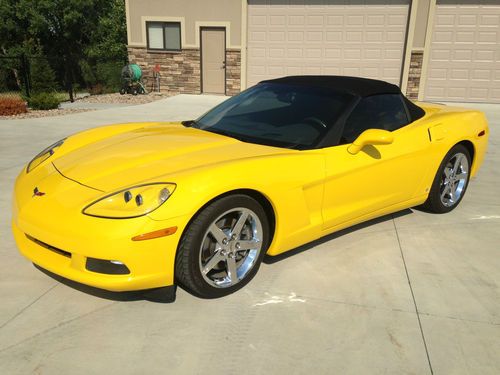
52, 232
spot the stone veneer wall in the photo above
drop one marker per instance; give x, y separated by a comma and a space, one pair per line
414, 74
233, 72
180, 71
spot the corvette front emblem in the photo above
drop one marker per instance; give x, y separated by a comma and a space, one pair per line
37, 193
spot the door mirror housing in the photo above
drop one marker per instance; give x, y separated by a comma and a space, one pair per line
371, 137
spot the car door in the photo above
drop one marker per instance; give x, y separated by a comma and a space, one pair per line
379, 176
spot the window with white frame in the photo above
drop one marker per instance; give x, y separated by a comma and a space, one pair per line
165, 36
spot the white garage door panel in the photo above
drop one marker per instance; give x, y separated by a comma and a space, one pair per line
345, 37
464, 63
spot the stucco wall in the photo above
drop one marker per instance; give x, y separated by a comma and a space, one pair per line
421, 23
191, 13
231, 14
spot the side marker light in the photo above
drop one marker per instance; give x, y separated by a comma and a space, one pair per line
157, 233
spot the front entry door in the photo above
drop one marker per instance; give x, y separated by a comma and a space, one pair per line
213, 60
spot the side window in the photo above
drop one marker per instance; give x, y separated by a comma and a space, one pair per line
385, 112
165, 36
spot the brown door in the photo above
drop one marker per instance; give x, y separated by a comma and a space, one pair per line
213, 60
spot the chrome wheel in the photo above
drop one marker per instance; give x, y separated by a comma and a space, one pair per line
454, 179
230, 247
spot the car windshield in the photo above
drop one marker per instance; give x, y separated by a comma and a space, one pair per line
277, 115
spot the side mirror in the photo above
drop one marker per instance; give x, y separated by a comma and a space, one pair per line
371, 137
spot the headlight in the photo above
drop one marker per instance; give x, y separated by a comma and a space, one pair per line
133, 202
44, 155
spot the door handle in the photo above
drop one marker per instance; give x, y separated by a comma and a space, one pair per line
223, 65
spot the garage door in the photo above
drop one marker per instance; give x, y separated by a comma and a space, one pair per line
341, 37
464, 62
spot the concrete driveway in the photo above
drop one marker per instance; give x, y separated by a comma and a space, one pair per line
412, 293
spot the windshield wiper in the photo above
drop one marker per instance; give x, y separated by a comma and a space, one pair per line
189, 123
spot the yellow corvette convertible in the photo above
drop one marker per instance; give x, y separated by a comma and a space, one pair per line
199, 203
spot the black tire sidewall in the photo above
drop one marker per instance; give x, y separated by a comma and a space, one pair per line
188, 272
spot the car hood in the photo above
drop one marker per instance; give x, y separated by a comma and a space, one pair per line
151, 152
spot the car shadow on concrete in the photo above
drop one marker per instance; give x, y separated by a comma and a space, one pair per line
277, 258
161, 295
167, 294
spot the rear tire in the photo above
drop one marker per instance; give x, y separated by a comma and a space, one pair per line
450, 182
223, 246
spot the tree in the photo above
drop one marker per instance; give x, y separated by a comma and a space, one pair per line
66, 32
63, 28
109, 39
12, 27
12, 36
107, 52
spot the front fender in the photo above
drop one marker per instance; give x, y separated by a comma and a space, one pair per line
292, 183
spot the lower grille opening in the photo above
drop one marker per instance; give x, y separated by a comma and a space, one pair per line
49, 247
109, 267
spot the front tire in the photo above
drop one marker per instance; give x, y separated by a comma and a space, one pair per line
450, 182
222, 248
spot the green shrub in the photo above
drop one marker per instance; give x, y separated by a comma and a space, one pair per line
102, 77
44, 101
109, 75
12, 105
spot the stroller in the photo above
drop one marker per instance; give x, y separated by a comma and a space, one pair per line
132, 80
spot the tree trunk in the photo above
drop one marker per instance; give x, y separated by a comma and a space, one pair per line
69, 80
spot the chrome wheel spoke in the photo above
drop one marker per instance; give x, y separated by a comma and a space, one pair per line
232, 271
446, 190
458, 163
455, 195
248, 245
216, 258
461, 176
218, 234
239, 224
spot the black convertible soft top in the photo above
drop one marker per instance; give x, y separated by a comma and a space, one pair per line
354, 85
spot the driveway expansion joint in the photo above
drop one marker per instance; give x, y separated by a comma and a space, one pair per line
413, 297
28, 306
62, 324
